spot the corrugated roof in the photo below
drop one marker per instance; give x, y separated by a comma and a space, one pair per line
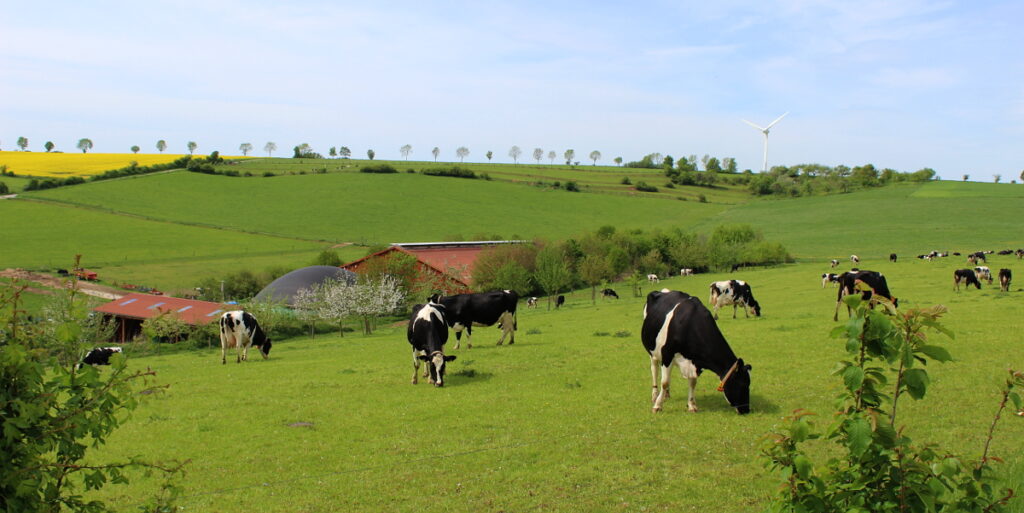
145, 306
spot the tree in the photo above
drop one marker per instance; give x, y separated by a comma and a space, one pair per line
538, 154
595, 156
4, 189
462, 152
552, 272
1022, 175
23, 143
515, 152
135, 149
594, 269
996, 177
490, 154
245, 148
552, 156
569, 155
968, 176
370, 154
270, 148
161, 145
49, 146
344, 152
333, 151
436, 151
192, 147
84, 145
406, 150
618, 161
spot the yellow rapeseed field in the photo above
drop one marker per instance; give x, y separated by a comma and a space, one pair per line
63, 165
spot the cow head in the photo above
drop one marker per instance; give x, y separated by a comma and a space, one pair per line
754, 307
265, 348
436, 363
737, 388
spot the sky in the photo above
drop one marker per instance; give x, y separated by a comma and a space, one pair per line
898, 84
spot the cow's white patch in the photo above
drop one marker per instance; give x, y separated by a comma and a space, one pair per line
686, 367
662, 338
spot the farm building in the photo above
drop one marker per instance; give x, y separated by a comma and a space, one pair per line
129, 312
442, 266
285, 288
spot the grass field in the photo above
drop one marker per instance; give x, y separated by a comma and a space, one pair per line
561, 420
63, 165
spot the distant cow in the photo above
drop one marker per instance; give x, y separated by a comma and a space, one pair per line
1006, 252
892, 257
834, 262
977, 256
427, 333
868, 283
984, 273
966, 276
99, 356
1019, 253
855, 259
735, 293
653, 278
609, 293
559, 301
1004, 279
686, 272
532, 302
239, 329
827, 278
678, 329
463, 311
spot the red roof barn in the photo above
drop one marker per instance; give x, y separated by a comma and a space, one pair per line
131, 310
444, 266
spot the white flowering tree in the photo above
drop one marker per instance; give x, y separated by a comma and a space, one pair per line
375, 297
337, 300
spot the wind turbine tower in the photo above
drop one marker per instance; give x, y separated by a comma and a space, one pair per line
764, 166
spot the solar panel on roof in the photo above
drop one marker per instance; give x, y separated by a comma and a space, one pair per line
130, 301
182, 309
157, 305
215, 312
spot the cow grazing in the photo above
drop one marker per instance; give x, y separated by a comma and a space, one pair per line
869, 283
653, 278
686, 272
559, 301
678, 329
966, 276
99, 356
239, 329
892, 257
977, 256
427, 333
609, 293
1004, 279
1019, 253
532, 302
855, 259
463, 311
983, 273
834, 262
1006, 252
827, 278
735, 293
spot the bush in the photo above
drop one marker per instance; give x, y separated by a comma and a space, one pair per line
572, 187
379, 169
626, 181
454, 172
642, 186
4, 189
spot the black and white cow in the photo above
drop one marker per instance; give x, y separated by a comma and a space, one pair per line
532, 302
984, 273
559, 301
427, 333
609, 293
827, 278
239, 329
678, 329
1005, 275
966, 276
892, 257
463, 311
868, 283
977, 256
834, 262
735, 293
99, 356
854, 258
653, 278
686, 272
1019, 253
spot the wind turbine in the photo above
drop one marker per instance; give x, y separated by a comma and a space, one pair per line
764, 167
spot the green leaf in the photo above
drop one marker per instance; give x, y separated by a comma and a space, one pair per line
937, 353
1015, 399
803, 466
917, 382
853, 377
858, 432
798, 430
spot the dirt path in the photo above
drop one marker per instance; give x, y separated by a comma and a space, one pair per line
56, 282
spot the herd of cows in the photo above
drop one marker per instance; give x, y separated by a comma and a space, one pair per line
677, 328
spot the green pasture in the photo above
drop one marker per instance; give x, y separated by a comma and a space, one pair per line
15, 183
376, 209
561, 420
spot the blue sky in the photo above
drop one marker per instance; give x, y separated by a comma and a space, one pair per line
904, 85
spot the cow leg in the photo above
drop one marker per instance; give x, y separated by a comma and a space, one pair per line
691, 401
716, 309
654, 380
507, 327
415, 367
469, 335
238, 351
666, 376
734, 305
223, 349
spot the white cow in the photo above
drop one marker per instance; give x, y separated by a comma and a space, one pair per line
653, 278
239, 329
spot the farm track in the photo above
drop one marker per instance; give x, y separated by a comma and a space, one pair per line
53, 282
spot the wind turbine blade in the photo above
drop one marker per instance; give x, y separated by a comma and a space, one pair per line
776, 121
753, 125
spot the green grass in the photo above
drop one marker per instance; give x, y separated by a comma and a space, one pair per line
560, 421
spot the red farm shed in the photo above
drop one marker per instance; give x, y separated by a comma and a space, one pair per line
131, 310
442, 266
